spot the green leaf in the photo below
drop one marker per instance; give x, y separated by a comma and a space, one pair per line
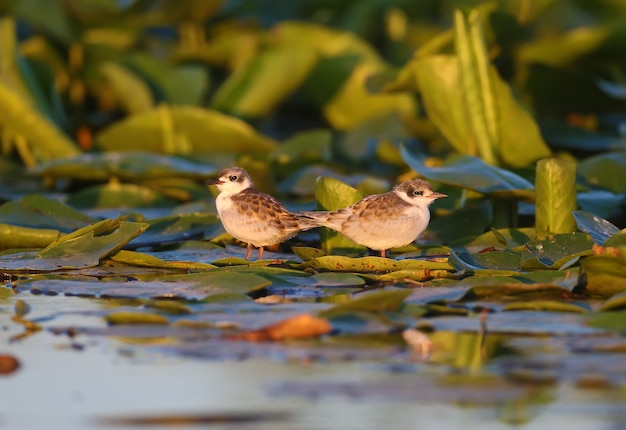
618, 301
555, 187
181, 85
131, 92
117, 195
476, 84
183, 130
555, 251
44, 141
599, 229
613, 321
140, 259
472, 173
256, 90
127, 166
125, 317
12, 236
332, 194
41, 212
87, 250
545, 306
605, 170
378, 301
606, 275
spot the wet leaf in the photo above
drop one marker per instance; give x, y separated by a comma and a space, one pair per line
599, 229
378, 301
177, 228
472, 173
83, 251
296, 327
144, 260
123, 317
555, 185
555, 251
372, 264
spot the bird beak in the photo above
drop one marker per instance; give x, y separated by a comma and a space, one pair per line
215, 181
436, 195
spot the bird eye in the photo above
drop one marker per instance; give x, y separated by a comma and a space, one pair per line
233, 178
418, 192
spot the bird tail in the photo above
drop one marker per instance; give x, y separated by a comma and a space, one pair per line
312, 219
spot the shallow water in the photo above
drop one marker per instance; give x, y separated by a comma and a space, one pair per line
87, 381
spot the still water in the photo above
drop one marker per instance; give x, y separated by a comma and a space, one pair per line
63, 387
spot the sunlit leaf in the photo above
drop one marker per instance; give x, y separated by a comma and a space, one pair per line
12, 236
131, 92
258, 88
555, 187
45, 142
183, 130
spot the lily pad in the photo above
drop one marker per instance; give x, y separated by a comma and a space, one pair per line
128, 166
464, 171
606, 275
87, 250
605, 170
378, 301
372, 264
38, 211
599, 229
555, 251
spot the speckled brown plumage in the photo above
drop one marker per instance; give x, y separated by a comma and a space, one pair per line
252, 216
383, 221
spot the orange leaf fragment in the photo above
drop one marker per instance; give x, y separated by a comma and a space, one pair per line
8, 364
299, 326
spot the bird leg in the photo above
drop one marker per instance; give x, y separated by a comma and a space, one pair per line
260, 252
383, 253
249, 251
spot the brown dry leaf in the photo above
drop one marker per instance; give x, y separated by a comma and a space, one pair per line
299, 326
8, 364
